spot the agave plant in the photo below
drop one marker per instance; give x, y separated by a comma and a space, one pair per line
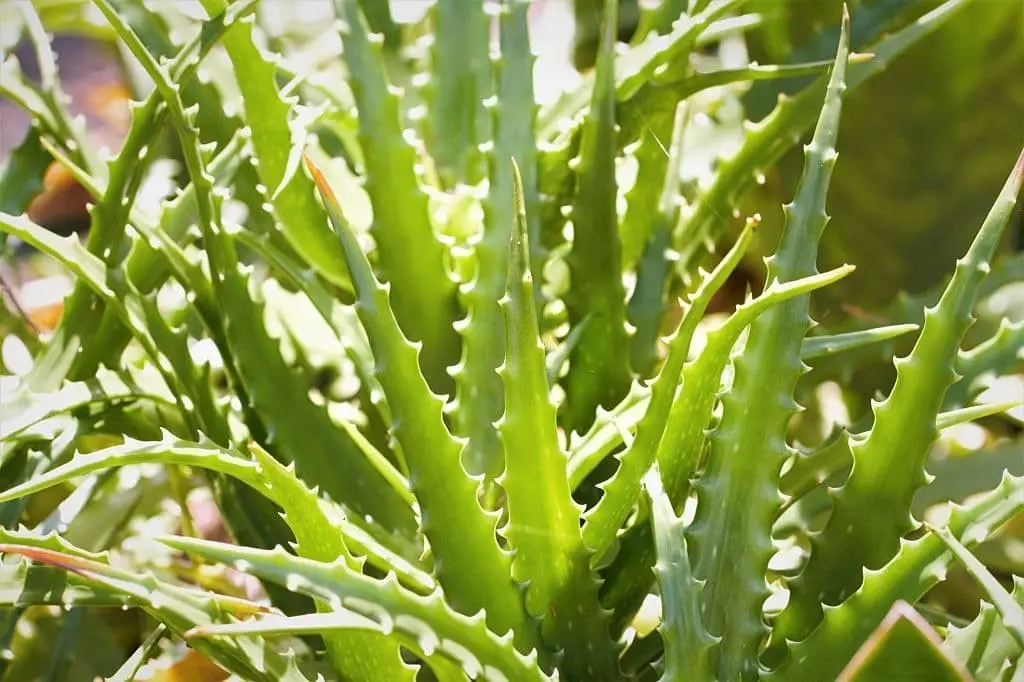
511, 465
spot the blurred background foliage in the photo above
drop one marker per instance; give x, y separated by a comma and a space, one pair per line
921, 145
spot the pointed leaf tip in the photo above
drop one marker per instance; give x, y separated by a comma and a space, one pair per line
319, 179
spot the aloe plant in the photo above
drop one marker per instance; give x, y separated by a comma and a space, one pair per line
434, 406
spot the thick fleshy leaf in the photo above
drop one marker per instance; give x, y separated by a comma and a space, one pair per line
889, 461
599, 374
473, 570
410, 256
179, 608
904, 645
543, 528
687, 642
917, 567
426, 623
479, 394
737, 493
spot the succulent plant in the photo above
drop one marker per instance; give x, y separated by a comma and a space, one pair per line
510, 461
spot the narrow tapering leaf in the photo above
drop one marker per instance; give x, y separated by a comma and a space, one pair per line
479, 397
622, 490
272, 479
472, 569
426, 623
889, 460
544, 521
179, 608
599, 365
687, 642
738, 494
268, 117
410, 256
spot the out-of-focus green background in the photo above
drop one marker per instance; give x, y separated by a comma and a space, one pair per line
924, 148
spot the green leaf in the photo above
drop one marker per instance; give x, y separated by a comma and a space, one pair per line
652, 211
622, 490
917, 567
599, 374
816, 347
267, 115
1012, 613
473, 570
424, 624
889, 462
479, 394
179, 608
410, 256
985, 644
737, 494
353, 654
687, 643
30, 584
903, 646
457, 122
21, 175
272, 479
544, 522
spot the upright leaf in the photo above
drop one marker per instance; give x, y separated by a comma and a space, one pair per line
267, 117
472, 569
871, 511
458, 122
479, 398
410, 256
652, 211
738, 494
544, 521
599, 374
687, 643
